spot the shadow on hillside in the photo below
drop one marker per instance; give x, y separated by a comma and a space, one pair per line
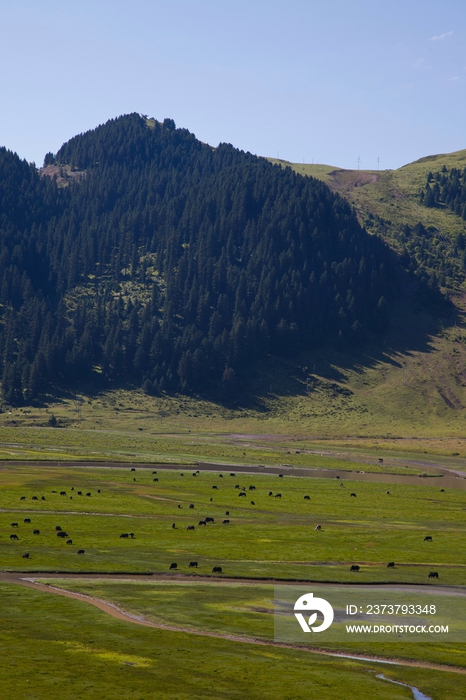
412, 330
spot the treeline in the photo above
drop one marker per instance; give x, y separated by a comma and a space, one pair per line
175, 264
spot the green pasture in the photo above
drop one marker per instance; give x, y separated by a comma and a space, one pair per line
59, 648
275, 537
62, 445
236, 609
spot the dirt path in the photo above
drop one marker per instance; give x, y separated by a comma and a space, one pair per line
440, 476
120, 614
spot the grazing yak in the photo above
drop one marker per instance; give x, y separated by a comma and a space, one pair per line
217, 570
318, 527
26, 556
190, 527
209, 520
193, 564
80, 493
124, 535
278, 495
354, 567
154, 472
173, 565
14, 537
252, 488
23, 498
36, 532
62, 493
428, 538
173, 526
281, 476
391, 565
307, 498
133, 469
433, 574
191, 505
242, 493
225, 522
215, 487
156, 479
232, 474
227, 512
57, 528
202, 522
14, 525
42, 498
34, 498
353, 495
62, 534
80, 551
270, 493
253, 503
69, 541
220, 476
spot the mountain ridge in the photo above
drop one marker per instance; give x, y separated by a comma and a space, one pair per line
179, 265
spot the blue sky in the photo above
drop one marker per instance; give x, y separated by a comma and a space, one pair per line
326, 82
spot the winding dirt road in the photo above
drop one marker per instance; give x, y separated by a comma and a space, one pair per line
120, 614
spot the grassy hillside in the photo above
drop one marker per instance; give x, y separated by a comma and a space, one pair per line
388, 200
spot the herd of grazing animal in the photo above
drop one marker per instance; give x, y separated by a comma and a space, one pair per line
58, 529
194, 564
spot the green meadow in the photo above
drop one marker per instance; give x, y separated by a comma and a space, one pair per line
235, 609
83, 653
272, 537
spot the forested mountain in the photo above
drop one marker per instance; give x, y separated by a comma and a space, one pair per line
174, 264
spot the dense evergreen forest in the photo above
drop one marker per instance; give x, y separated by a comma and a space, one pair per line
446, 188
140, 253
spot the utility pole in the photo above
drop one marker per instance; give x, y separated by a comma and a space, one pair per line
359, 160
378, 160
